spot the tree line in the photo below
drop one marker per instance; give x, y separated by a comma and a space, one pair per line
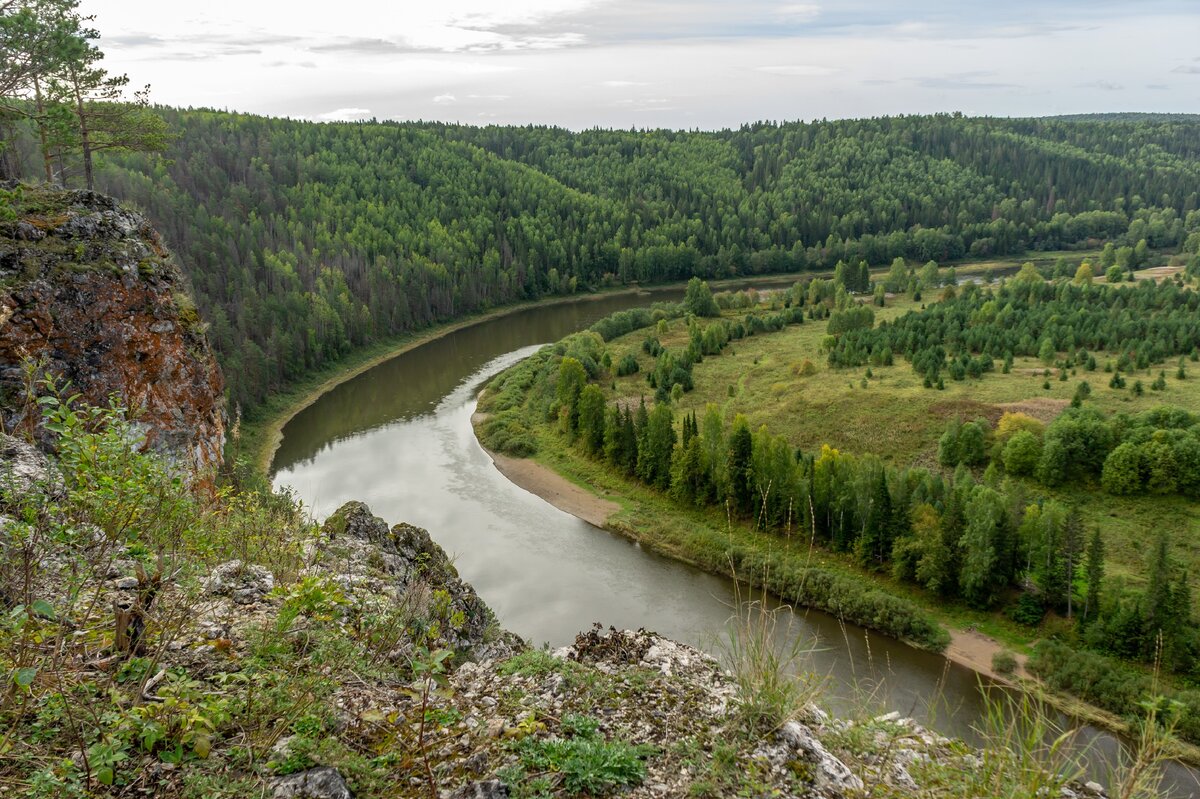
304, 241
1065, 324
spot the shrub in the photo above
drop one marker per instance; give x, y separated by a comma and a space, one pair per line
1022, 453
584, 762
1109, 684
628, 365
1004, 663
1027, 610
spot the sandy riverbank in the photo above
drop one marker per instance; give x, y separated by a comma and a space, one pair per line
556, 489
550, 485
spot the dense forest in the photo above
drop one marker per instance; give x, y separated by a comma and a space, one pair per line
304, 241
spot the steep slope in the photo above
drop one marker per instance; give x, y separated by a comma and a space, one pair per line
90, 298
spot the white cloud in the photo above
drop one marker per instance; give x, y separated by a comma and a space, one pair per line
345, 115
798, 70
567, 62
800, 11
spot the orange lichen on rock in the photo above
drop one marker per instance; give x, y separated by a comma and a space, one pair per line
94, 300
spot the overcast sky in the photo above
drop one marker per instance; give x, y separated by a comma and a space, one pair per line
657, 63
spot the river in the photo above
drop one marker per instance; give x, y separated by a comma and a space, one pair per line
399, 438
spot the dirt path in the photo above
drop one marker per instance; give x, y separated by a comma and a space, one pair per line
975, 650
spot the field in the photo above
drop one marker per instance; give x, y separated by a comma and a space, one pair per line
892, 415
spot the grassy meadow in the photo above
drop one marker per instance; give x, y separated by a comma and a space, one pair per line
891, 414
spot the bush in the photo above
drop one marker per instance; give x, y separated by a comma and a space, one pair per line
628, 365
1027, 610
1022, 453
845, 597
805, 368
1109, 684
1004, 663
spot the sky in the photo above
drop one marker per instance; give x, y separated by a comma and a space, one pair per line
656, 63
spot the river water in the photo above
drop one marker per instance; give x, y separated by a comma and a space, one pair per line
399, 438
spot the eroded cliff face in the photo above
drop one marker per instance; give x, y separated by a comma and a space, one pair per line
89, 293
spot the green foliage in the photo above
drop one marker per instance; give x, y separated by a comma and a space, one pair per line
583, 762
1147, 323
698, 299
772, 686
1004, 663
628, 365
1109, 684
533, 663
964, 444
51, 75
858, 317
353, 234
1022, 453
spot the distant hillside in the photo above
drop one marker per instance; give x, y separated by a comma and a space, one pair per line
1129, 116
305, 241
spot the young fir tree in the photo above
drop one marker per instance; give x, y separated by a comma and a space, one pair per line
1094, 574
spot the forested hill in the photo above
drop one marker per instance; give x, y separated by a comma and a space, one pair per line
306, 240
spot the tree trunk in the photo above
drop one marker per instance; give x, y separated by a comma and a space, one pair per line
47, 163
85, 145
8, 170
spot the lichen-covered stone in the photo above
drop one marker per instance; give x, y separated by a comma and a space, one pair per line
24, 470
244, 583
405, 560
87, 289
487, 789
316, 783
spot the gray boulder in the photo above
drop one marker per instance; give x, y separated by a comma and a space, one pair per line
487, 789
316, 783
24, 470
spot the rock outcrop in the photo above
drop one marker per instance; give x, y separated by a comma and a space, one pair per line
404, 562
88, 292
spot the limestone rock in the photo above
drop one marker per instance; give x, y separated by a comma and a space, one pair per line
489, 789
88, 290
830, 775
24, 470
316, 783
406, 559
244, 583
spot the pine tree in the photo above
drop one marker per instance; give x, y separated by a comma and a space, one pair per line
1157, 617
591, 419
1094, 573
1072, 545
875, 543
741, 467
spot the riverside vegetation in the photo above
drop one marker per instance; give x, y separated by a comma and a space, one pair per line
1011, 473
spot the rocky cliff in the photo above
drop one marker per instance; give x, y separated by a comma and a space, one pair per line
89, 294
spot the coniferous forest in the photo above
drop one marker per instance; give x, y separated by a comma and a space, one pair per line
304, 241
